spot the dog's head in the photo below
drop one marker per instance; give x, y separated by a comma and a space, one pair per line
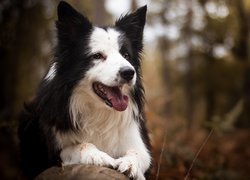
103, 62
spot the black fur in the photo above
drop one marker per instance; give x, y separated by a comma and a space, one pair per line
49, 111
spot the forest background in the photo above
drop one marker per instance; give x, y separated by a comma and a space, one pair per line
196, 68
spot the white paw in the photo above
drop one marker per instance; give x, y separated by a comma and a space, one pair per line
93, 156
129, 165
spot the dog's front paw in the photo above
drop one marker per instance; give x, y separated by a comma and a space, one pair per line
91, 155
129, 166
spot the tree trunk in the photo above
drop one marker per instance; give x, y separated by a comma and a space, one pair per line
166, 73
189, 80
241, 51
99, 16
78, 172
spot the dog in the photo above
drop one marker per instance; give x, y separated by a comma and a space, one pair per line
88, 108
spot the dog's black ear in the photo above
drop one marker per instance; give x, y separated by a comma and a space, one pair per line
70, 22
133, 24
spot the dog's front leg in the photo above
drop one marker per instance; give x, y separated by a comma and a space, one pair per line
136, 159
133, 164
85, 153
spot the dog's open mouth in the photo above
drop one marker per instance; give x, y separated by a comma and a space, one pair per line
112, 96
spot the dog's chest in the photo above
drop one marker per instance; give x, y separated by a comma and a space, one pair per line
108, 134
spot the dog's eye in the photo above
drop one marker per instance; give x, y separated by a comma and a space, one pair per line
126, 56
98, 56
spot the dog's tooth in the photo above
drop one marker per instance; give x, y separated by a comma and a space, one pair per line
108, 103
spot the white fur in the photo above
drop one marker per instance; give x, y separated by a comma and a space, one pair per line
106, 137
52, 72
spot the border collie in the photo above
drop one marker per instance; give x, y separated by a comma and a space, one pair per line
89, 106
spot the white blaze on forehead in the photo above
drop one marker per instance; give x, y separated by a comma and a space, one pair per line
104, 41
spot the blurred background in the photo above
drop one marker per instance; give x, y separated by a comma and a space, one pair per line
196, 67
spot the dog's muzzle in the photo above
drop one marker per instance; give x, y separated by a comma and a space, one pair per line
113, 95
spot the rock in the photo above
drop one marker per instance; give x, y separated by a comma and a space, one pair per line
79, 172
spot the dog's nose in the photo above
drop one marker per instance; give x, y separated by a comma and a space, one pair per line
127, 73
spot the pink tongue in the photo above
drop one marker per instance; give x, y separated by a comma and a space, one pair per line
118, 100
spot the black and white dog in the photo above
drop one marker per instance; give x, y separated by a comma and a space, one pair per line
89, 106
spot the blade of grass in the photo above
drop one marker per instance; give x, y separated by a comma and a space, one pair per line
197, 154
160, 158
